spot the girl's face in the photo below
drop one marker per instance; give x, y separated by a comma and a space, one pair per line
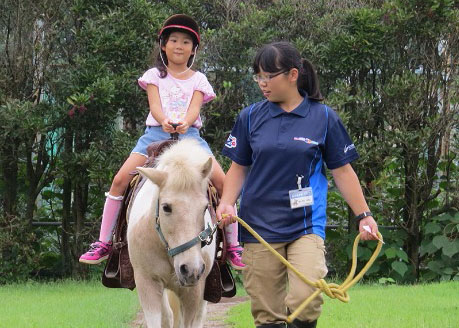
178, 48
277, 87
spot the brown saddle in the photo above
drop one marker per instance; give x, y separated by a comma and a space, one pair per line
118, 271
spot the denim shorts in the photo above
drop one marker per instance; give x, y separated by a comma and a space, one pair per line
156, 133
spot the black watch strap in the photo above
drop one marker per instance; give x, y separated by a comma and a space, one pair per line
362, 216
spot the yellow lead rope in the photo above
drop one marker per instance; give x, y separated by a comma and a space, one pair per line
331, 290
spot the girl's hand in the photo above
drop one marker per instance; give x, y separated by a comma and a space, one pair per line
229, 218
167, 127
183, 127
365, 235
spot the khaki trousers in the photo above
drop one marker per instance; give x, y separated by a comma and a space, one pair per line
273, 289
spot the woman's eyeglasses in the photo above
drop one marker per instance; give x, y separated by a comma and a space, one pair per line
262, 79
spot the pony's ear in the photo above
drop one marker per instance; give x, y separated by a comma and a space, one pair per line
158, 177
207, 168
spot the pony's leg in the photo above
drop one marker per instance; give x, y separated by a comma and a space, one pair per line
170, 301
201, 313
193, 306
151, 298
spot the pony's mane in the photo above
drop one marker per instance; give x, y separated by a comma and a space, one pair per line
183, 161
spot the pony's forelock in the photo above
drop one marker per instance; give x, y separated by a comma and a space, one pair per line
183, 161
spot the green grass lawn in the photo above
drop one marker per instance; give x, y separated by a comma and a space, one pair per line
374, 306
89, 304
66, 304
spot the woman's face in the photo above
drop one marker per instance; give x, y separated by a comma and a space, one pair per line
276, 87
178, 48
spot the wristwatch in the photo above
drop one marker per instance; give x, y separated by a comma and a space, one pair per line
362, 216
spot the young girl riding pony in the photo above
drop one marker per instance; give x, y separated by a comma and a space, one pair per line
175, 96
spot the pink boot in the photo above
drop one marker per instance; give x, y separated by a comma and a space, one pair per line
234, 257
97, 253
100, 250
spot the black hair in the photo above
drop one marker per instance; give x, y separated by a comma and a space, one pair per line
162, 42
283, 56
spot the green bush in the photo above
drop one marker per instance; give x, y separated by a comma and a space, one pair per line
440, 248
19, 251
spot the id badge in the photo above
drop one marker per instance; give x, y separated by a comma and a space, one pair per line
301, 197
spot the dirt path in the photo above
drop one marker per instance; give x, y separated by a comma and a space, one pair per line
216, 313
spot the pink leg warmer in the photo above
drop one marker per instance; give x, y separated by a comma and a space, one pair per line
109, 217
231, 233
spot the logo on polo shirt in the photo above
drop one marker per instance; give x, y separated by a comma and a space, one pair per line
347, 148
231, 142
306, 140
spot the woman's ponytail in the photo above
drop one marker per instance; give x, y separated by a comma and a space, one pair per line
308, 80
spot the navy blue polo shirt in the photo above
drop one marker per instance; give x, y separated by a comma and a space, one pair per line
277, 146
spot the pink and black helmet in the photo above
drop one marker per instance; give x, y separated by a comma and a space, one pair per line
181, 22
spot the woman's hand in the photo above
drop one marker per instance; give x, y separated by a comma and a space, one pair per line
167, 127
365, 235
227, 209
183, 127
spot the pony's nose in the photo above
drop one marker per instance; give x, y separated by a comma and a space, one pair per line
184, 270
189, 275
203, 267
201, 271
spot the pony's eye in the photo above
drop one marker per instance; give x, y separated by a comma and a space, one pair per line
167, 208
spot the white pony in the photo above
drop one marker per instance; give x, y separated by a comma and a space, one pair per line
175, 196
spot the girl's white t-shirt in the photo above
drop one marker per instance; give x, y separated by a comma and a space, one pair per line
176, 94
